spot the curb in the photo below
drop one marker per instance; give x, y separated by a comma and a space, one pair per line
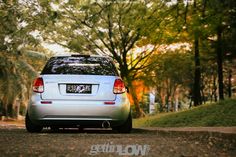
224, 130
223, 133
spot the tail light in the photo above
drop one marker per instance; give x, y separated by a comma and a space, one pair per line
119, 87
38, 85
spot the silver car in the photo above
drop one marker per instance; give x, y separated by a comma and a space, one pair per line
79, 91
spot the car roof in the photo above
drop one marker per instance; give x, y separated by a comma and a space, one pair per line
79, 55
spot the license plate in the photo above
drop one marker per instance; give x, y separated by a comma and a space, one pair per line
79, 88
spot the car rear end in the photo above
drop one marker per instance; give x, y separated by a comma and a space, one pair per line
79, 91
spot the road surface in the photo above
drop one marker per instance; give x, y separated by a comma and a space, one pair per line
17, 142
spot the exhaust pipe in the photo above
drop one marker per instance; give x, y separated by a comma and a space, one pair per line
106, 124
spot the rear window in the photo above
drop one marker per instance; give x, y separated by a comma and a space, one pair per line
80, 66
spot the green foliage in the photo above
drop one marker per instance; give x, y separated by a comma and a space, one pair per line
170, 71
18, 22
106, 27
17, 74
222, 113
200, 21
176, 66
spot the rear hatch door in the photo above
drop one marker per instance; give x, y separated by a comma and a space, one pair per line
78, 87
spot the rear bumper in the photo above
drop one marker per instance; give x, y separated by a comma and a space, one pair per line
74, 112
77, 123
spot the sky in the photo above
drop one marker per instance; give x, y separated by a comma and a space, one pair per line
55, 48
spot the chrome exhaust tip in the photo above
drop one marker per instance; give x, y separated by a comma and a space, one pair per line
106, 124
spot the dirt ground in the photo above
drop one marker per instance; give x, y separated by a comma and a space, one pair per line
16, 141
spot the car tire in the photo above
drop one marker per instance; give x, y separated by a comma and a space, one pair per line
126, 127
31, 127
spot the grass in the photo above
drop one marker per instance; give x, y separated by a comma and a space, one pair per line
222, 113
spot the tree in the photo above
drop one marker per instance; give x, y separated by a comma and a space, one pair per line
170, 71
205, 22
188, 25
196, 30
16, 73
113, 28
222, 21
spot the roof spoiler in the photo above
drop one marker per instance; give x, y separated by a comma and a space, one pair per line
77, 55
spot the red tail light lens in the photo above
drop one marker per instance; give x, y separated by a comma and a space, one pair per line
109, 103
38, 85
119, 87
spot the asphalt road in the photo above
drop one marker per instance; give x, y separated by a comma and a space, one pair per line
16, 142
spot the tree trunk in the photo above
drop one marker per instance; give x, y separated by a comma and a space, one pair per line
220, 63
128, 79
162, 105
5, 106
167, 99
229, 84
139, 111
214, 89
8, 109
197, 76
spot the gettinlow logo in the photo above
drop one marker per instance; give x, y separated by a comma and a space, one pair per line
122, 150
